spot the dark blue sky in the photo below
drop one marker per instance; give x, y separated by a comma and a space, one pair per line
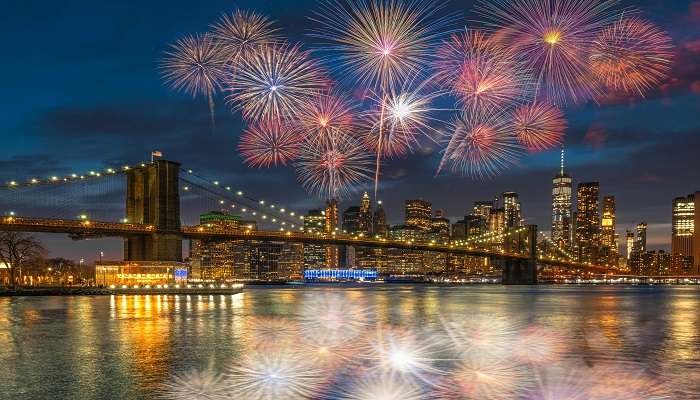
81, 91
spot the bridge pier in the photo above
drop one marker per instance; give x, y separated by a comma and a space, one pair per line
518, 271
153, 198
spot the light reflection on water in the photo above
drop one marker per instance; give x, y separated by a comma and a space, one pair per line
383, 341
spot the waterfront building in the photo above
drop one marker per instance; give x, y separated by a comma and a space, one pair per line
418, 213
314, 254
512, 210
351, 220
641, 244
650, 263
142, 273
218, 260
496, 221
630, 242
561, 208
439, 228
264, 261
608, 238
291, 261
685, 244
332, 251
588, 221
365, 223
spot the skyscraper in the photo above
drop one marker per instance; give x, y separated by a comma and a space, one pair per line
512, 209
561, 207
685, 244
365, 215
588, 221
379, 224
332, 253
630, 243
314, 254
608, 238
418, 214
351, 219
641, 245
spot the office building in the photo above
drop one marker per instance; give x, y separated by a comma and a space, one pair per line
561, 208
351, 220
630, 242
608, 238
418, 213
314, 254
512, 210
332, 251
588, 221
641, 243
685, 244
365, 215
379, 222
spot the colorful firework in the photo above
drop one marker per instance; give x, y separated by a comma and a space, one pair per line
195, 385
242, 32
625, 382
560, 382
632, 55
482, 336
382, 42
271, 332
332, 320
481, 72
332, 169
538, 346
195, 65
279, 374
274, 82
325, 115
554, 38
539, 126
382, 386
487, 379
481, 145
269, 143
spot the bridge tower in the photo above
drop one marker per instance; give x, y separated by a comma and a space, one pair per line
521, 272
153, 198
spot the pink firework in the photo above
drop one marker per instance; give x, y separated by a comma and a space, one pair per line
332, 169
539, 126
275, 82
481, 145
632, 55
242, 32
195, 65
481, 72
326, 114
553, 37
268, 143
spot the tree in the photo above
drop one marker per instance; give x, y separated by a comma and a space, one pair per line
16, 249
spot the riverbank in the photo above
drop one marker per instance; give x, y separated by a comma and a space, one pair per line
122, 290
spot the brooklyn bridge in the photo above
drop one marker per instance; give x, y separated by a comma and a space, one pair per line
156, 194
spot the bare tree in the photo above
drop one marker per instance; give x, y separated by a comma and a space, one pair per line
17, 248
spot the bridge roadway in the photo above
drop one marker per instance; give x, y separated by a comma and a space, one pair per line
100, 228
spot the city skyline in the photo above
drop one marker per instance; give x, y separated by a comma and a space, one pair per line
620, 143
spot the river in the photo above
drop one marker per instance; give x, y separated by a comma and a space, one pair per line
376, 341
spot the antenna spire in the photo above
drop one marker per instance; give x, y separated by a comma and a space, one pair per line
562, 160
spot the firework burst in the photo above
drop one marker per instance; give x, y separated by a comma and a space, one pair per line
539, 126
325, 115
243, 32
274, 82
382, 42
481, 145
382, 386
481, 72
553, 37
332, 320
632, 55
195, 385
487, 379
195, 65
332, 169
269, 143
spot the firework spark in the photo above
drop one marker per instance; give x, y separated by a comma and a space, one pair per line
554, 38
632, 55
195, 385
332, 169
325, 115
481, 72
382, 42
481, 145
280, 374
269, 143
274, 82
195, 65
539, 126
243, 32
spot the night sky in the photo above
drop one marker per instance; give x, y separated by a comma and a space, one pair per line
81, 91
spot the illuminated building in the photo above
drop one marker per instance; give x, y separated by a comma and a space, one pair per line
405, 262
351, 219
650, 263
216, 260
496, 221
140, 273
630, 242
380, 226
418, 214
340, 274
365, 216
332, 253
314, 254
439, 228
641, 244
588, 221
561, 208
512, 210
483, 209
265, 261
459, 230
685, 244
608, 238
291, 261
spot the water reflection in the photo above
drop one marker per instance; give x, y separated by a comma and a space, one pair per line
383, 342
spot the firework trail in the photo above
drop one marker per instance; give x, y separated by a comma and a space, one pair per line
632, 55
382, 43
539, 126
195, 385
274, 82
554, 38
332, 169
242, 32
195, 65
269, 143
481, 72
481, 145
325, 115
